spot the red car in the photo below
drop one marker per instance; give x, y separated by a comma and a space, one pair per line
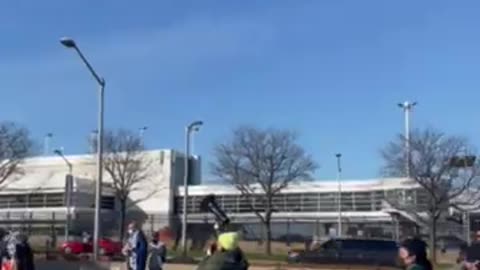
107, 247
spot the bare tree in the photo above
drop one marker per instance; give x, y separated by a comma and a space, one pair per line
445, 169
126, 162
260, 163
15, 146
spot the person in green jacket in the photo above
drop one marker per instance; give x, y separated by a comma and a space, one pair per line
226, 254
413, 254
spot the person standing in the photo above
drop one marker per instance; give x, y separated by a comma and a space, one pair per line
413, 253
136, 248
20, 254
226, 254
158, 254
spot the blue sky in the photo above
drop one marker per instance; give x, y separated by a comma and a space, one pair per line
332, 70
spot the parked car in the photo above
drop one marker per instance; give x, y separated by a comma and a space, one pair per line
349, 251
107, 247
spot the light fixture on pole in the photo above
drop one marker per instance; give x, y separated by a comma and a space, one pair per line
68, 191
407, 108
188, 131
70, 43
339, 193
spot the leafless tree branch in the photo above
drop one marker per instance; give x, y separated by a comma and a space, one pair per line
443, 184
15, 146
128, 165
260, 164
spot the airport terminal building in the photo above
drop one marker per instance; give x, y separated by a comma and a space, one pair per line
35, 200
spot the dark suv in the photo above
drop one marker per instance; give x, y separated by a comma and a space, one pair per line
350, 251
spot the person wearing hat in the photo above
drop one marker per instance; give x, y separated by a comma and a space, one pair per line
226, 255
413, 254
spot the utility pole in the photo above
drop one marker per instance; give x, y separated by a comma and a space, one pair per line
188, 133
339, 193
71, 44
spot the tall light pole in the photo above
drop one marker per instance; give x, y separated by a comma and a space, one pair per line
339, 195
46, 143
68, 190
188, 132
407, 108
70, 43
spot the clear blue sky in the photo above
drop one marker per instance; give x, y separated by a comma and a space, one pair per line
332, 70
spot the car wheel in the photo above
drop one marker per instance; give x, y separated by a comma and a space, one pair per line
67, 250
102, 252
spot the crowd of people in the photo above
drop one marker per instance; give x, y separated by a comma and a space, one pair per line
141, 254
223, 254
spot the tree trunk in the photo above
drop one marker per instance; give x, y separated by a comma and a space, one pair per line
268, 238
123, 213
433, 241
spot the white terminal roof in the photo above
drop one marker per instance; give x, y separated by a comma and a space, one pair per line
47, 173
311, 186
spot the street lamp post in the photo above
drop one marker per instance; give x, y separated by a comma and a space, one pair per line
339, 196
70, 43
68, 189
194, 126
407, 108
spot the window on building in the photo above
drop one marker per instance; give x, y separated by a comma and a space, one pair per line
421, 196
328, 202
229, 203
36, 200
244, 205
108, 202
178, 205
293, 202
54, 200
347, 201
278, 202
363, 201
309, 202
259, 202
377, 199
193, 204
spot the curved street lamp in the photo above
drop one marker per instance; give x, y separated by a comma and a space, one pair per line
71, 44
68, 190
194, 126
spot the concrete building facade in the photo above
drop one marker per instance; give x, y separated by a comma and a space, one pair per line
35, 200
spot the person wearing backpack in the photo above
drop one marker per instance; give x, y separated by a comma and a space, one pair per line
158, 254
